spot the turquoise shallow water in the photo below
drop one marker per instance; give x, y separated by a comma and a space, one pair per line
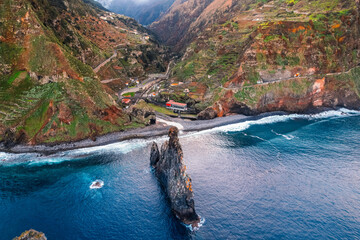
281, 177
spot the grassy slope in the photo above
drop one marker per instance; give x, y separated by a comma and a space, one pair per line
39, 109
168, 112
283, 40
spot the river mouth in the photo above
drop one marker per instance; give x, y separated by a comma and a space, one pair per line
278, 177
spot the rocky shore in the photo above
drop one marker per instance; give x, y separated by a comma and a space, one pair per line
161, 128
171, 172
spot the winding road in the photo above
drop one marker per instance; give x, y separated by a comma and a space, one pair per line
145, 85
148, 83
97, 69
291, 78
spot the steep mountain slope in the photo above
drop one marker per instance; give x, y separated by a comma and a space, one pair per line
174, 25
258, 56
49, 91
145, 12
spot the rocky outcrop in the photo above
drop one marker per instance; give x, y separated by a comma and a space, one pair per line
154, 155
207, 114
12, 138
322, 94
142, 112
304, 95
171, 172
31, 235
224, 106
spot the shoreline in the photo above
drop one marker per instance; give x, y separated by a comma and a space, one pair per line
161, 128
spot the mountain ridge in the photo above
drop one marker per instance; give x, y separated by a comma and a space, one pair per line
144, 12
49, 91
251, 57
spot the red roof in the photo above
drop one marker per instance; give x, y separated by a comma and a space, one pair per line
126, 100
117, 67
171, 102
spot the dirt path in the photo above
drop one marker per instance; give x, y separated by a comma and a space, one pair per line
97, 69
110, 80
292, 78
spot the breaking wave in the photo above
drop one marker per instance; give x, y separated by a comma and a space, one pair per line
200, 224
35, 159
239, 127
97, 184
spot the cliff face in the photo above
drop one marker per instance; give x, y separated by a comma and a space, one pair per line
254, 57
185, 20
295, 96
173, 26
171, 172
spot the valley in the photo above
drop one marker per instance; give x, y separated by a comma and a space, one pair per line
179, 119
81, 69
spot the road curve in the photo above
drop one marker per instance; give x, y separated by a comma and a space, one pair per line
97, 69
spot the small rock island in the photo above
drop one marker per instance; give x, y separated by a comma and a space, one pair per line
31, 235
171, 173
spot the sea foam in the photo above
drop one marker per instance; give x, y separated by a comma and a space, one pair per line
200, 224
239, 127
34, 159
97, 184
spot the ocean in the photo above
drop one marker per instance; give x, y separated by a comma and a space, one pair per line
280, 177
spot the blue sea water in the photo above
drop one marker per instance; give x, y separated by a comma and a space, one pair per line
281, 177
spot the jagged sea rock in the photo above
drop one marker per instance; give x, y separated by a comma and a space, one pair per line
171, 172
154, 155
31, 235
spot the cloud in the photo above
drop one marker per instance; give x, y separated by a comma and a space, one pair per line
105, 3
141, 1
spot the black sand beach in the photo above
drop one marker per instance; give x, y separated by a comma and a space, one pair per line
161, 128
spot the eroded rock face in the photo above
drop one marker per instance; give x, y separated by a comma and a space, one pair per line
171, 172
12, 138
31, 235
154, 155
143, 112
208, 113
317, 95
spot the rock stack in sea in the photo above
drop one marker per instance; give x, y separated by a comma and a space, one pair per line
171, 172
31, 235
